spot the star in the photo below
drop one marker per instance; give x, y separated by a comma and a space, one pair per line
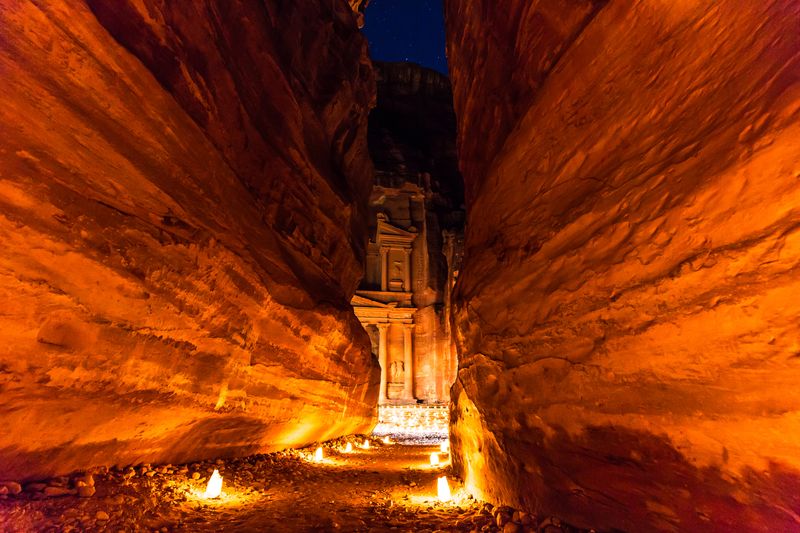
407, 30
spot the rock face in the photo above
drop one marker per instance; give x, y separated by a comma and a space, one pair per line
183, 192
412, 134
627, 310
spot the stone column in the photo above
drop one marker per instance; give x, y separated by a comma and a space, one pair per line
408, 362
407, 281
382, 359
384, 269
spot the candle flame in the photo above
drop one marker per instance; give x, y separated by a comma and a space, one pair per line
443, 489
366, 444
318, 454
434, 459
348, 448
444, 447
214, 487
387, 440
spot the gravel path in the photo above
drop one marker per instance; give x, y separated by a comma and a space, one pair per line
384, 488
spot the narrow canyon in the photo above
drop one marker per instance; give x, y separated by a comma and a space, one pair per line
237, 246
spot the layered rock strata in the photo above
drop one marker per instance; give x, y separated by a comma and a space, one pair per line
182, 216
627, 310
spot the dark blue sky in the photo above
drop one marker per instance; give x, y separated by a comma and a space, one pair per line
407, 30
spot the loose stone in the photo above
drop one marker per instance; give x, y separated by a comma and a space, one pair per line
86, 491
12, 486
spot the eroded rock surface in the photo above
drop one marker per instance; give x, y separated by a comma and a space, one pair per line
182, 223
627, 310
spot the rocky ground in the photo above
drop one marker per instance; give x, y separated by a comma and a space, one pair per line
383, 488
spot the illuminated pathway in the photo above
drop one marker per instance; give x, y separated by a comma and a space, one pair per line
376, 489
379, 489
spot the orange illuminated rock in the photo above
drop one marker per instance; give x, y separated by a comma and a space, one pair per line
182, 224
627, 309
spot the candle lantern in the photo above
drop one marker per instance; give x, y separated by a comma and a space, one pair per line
443, 489
214, 487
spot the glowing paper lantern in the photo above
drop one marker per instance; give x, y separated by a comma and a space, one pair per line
443, 489
445, 446
214, 487
434, 459
318, 454
348, 448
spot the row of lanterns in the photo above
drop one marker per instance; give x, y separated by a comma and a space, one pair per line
319, 454
442, 486
214, 487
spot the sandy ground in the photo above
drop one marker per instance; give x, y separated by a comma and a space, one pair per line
385, 488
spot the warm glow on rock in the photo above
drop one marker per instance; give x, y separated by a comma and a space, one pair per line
214, 487
434, 459
318, 454
80, 320
444, 447
443, 489
348, 448
645, 278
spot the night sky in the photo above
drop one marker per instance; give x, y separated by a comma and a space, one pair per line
407, 30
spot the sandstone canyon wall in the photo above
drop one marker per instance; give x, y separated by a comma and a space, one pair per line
627, 310
183, 190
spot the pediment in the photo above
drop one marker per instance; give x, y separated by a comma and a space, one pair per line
388, 229
361, 301
388, 232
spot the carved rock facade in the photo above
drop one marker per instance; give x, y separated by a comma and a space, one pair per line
416, 216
